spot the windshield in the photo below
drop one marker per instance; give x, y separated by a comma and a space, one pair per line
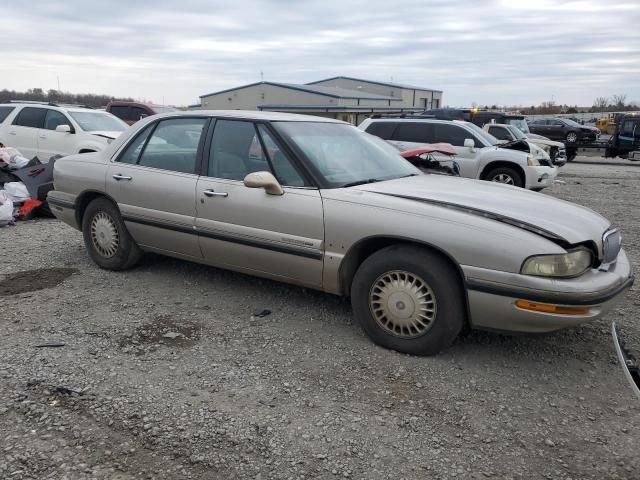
483, 134
97, 121
344, 155
519, 123
517, 133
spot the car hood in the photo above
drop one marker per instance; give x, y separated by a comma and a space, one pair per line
540, 140
547, 216
106, 134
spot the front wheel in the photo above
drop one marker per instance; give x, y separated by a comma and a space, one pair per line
408, 299
505, 175
106, 237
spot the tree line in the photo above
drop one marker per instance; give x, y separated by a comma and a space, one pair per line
56, 96
613, 103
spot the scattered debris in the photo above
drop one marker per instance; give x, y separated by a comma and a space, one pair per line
50, 345
262, 313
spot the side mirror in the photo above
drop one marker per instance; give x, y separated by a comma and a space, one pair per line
63, 128
264, 180
469, 143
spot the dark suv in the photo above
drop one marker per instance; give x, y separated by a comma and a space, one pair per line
563, 129
131, 112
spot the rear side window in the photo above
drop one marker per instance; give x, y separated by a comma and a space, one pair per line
415, 132
4, 112
454, 135
384, 130
31, 117
173, 145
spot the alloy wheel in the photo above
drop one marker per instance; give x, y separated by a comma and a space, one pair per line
402, 304
104, 234
572, 137
503, 178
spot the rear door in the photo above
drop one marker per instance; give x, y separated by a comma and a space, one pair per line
246, 229
52, 143
154, 179
24, 131
555, 130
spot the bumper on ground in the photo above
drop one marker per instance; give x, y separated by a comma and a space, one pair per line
494, 297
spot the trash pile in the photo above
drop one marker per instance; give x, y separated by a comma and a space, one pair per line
24, 185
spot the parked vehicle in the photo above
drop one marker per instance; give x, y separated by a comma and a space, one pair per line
47, 129
480, 117
324, 206
564, 130
479, 154
131, 112
625, 141
508, 133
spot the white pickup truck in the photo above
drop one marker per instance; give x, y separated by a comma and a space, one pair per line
478, 154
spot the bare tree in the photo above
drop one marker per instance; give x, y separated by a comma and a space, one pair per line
619, 101
600, 104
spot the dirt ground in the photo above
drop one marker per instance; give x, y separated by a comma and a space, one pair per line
165, 372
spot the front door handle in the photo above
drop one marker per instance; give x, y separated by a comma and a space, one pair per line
12, 133
43, 136
211, 193
119, 176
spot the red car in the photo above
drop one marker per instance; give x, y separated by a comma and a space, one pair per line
131, 112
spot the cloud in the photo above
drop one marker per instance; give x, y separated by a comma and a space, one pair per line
492, 51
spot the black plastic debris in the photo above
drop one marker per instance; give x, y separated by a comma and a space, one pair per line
51, 345
262, 313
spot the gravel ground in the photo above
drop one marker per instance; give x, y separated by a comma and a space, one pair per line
165, 373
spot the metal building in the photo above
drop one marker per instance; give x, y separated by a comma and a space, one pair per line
345, 98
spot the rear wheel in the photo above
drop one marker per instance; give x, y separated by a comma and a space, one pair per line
106, 237
408, 299
506, 175
572, 137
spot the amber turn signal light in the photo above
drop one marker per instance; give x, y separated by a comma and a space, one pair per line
549, 308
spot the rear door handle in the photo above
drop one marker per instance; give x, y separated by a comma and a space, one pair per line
12, 133
211, 193
119, 176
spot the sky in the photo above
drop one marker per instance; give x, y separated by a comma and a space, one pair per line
505, 52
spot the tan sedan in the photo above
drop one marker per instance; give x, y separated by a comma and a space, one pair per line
318, 203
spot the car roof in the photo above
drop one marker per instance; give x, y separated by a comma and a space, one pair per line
250, 115
68, 108
420, 120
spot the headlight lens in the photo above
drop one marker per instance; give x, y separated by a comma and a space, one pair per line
532, 161
569, 264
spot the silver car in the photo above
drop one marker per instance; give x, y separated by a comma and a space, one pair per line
318, 203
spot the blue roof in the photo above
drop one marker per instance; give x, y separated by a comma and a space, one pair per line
326, 91
375, 82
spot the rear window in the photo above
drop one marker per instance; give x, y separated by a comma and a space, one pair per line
384, 130
414, 132
4, 112
31, 117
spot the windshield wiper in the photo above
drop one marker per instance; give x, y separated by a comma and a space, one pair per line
360, 182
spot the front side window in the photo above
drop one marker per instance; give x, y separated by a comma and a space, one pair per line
99, 121
31, 117
132, 152
120, 111
627, 127
138, 113
500, 133
173, 145
55, 118
4, 112
343, 155
284, 170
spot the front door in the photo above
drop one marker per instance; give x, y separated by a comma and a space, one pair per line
154, 182
246, 229
467, 158
52, 143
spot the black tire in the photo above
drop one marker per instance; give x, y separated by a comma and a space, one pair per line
125, 252
537, 189
440, 277
512, 173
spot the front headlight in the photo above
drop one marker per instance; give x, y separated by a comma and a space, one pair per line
569, 264
532, 161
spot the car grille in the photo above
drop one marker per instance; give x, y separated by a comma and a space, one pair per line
611, 245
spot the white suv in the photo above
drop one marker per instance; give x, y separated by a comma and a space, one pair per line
46, 129
479, 154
